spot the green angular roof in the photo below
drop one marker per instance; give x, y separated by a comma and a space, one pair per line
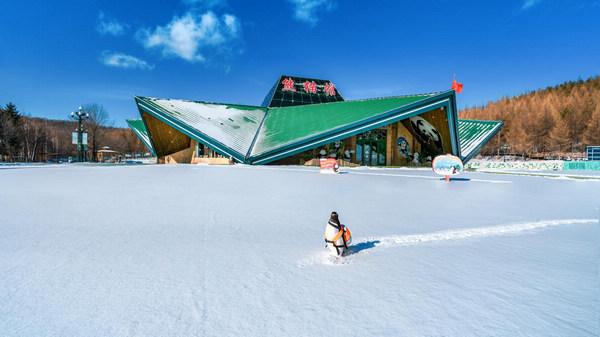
227, 128
259, 135
286, 125
474, 134
139, 129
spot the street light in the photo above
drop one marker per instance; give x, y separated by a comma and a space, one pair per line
79, 116
504, 148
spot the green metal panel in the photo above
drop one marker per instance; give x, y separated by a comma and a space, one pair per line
355, 128
283, 126
474, 134
227, 128
582, 165
139, 129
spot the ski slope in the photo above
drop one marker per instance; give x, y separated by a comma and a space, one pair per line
190, 250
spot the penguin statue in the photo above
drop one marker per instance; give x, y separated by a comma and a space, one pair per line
337, 236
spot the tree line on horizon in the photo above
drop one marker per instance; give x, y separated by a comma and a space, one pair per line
32, 139
553, 122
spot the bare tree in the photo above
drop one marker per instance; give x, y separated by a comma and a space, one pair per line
34, 135
131, 143
26, 138
96, 125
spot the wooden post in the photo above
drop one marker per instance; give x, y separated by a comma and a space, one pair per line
353, 148
389, 145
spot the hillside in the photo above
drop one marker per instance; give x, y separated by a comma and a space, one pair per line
53, 139
546, 122
30, 139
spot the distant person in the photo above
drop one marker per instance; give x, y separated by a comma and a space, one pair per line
416, 160
337, 236
347, 155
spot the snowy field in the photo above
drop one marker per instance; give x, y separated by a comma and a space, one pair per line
191, 250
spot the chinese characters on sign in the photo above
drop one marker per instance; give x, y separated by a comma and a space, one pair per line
288, 84
310, 87
329, 89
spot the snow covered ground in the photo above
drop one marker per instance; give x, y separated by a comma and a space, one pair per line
189, 250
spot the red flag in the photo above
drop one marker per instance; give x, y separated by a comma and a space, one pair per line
456, 86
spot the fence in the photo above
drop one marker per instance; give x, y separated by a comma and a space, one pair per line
582, 165
533, 165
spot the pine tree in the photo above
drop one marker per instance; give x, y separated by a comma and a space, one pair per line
12, 130
3, 120
12, 113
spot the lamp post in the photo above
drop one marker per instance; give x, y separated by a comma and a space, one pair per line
504, 148
79, 116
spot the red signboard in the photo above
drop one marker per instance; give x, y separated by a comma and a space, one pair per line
328, 165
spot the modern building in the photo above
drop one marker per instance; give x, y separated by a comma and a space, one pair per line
304, 119
593, 152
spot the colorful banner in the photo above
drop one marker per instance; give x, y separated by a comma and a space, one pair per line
447, 165
329, 165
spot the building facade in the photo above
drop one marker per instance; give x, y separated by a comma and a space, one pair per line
304, 119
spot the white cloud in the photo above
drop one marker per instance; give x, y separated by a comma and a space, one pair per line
232, 24
109, 26
191, 35
527, 4
120, 60
306, 10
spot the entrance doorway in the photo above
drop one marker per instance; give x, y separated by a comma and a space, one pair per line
371, 148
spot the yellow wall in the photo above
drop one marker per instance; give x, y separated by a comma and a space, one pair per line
165, 139
437, 118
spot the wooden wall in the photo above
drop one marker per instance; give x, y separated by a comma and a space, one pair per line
437, 118
165, 139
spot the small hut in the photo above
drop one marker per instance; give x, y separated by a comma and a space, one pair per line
106, 155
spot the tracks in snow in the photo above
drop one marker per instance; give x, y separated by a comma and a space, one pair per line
467, 233
362, 246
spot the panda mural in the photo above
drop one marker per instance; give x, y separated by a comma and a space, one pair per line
426, 134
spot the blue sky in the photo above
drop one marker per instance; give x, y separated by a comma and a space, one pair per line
56, 55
